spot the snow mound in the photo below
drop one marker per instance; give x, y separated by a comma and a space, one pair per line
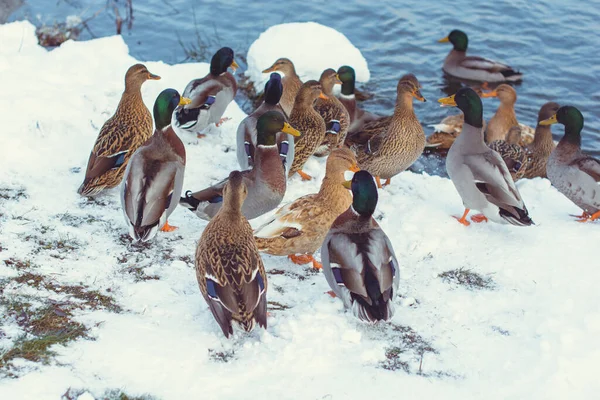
312, 47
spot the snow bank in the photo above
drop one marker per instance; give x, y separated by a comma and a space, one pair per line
532, 334
312, 47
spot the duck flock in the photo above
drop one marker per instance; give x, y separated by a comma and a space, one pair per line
298, 120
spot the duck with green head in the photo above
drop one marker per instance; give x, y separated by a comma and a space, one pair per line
473, 68
358, 259
154, 177
348, 97
266, 181
571, 171
210, 96
478, 172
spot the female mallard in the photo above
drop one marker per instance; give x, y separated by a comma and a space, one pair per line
513, 155
333, 112
301, 226
120, 136
347, 97
154, 176
461, 66
571, 171
210, 95
265, 183
358, 258
505, 117
386, 147
308, 121
478, 172
246, 133
291, 83
540, 149
230, 272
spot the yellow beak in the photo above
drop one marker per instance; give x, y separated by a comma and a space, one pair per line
444, 40
287, 128
337, 79
347, 184
354, 168
447, 101
549, 121
272, 68
183, 101
234, 66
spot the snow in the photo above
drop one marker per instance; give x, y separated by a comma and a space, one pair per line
312, 47
533, 335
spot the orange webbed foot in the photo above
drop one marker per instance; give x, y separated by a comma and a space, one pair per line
331, 293
168, 228
387, 182
316, 264
478, 218
304, 175
200, 135
300, 258
218, 124
463, 219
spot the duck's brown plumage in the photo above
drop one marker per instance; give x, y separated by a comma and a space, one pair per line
120, 136
512, 153
291, 83
505, 117
540, 149
335, 115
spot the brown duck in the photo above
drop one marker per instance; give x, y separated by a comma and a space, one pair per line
505, 117
512, 153
335, 115
540, 149
291, 83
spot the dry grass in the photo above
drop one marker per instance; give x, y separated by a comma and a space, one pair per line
468, 279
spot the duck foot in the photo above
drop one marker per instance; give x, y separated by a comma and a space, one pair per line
168, 228
463, 219
331, 293
378, 181
387, 182
200, 135
478, 218
218, 124
587, 217
300, 258
304, 175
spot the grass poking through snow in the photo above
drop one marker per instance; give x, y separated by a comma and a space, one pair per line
468, 279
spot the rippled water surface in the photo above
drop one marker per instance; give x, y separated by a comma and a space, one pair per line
556, 44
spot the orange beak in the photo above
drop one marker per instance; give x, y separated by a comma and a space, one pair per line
493, 93
153, 77
322, 96
354, 168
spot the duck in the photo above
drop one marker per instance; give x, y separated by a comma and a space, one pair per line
230, 272
265, 182
514, 156
388, 146
210, 96
348, 97
298, 229
120, 136
358, 259
308, 121
333, 112
246, 133
572, 172
540, 149
291, 83
154, 177
505, 117
479, 174
459, 65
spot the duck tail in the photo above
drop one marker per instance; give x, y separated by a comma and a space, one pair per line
89, 189
189, 201
519, 218
512, 75
144, 233
378, 306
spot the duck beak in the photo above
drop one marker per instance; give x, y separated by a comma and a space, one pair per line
444, 40
447, 101
272, 68
549, 121
322, 96
493, 93
417, 95
183, 101
234, 65
153, 77
337, 79
347, 184
354, 168
287, 128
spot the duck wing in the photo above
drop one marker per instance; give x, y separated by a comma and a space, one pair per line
589, 165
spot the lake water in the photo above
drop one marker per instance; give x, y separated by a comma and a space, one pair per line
555, 43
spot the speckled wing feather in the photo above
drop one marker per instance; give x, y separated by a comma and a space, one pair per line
589, 165
480, 63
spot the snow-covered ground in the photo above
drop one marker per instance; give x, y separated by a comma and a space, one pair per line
526, 327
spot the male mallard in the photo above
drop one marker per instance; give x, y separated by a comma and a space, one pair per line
347, 97
246, 133
230, 272
154, 176
308, 121
120, 136
265, 183
387, 146
478, 172
335, 115
358, 258
540, 149
514, 156
291, 83
571, 171
210, 95
301, 226
459, 65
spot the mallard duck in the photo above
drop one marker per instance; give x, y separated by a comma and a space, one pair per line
387, 146
120, 136
358, 258
335, 115
459, 65
246, 133
514, 156
478, 172
154, 176
230, 272
297, 229
348, 97
210, 95
505, 117
571, 171
291, 83
308, 121
540, 149
265, 183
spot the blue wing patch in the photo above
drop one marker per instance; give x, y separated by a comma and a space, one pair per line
210, 100
337, 274
211, 288
334, 127
216, 199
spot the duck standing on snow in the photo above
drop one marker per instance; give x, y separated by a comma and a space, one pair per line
478, 172
347, 97
461, 66
358, 258
120, 136
154, 176
308, 121
230, 272
210, 95
540, 149
291, 83
388, 146
246, 133
297, 229
265, 183
571, 171
335, 115
513, 155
